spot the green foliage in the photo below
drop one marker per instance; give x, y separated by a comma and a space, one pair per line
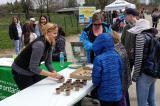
4, 38
72, 3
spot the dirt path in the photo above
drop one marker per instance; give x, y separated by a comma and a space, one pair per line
72, 38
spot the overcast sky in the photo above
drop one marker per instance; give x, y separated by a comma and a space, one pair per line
5, 1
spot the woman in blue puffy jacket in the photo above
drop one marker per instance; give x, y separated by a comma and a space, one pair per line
107, 71
89, 34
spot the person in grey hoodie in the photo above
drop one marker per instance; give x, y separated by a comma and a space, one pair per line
128, 38
145, 84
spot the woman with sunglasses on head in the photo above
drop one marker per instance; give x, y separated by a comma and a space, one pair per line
42, 21
89, 34
26, 67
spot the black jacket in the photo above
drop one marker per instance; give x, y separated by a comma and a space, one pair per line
13, 33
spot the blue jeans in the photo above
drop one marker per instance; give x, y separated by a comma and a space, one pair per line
146, 91
17, 46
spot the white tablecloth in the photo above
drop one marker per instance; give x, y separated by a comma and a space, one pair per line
6, 61
43, 94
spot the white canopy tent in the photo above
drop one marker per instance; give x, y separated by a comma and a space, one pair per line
119, 4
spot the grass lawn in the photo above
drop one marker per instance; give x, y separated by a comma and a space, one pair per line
5, 42
68, 22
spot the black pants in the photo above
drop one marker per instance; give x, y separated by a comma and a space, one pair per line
24, 81
111, 103
154, 25
131, 63
127, 98
94, 93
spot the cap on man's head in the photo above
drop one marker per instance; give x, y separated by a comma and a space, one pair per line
32, 19
131, 11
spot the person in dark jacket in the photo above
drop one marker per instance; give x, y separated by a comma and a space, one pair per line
90, 33
15, 33
155, 17
145, 84
107, 71
60, 45
25, 68
132, 15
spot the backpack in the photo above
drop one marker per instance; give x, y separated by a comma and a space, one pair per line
151, 56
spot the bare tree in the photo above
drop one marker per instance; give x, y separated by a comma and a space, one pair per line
98, 3
90, 2
47, 5
72, 3
103, 3
44, 5
27, 5
39, 4
9, 7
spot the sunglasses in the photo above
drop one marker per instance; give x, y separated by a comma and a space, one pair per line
96, 25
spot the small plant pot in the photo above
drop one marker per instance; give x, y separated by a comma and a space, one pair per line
84, 82
68, 91
72, 85
81, 85
58, 90
62, 88
77, 80
77, 83
61, 80
69, 80
68, 84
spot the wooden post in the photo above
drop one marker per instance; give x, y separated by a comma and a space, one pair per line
65, 23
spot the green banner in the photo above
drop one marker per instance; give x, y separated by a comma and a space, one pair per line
8, 86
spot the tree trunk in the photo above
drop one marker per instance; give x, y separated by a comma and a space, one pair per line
103, 3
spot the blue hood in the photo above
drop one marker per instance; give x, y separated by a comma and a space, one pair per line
102, 43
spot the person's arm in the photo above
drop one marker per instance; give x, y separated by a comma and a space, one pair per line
138, 56
86, 43
37, 52
48, 61
51, 74
96, 72
10, 32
